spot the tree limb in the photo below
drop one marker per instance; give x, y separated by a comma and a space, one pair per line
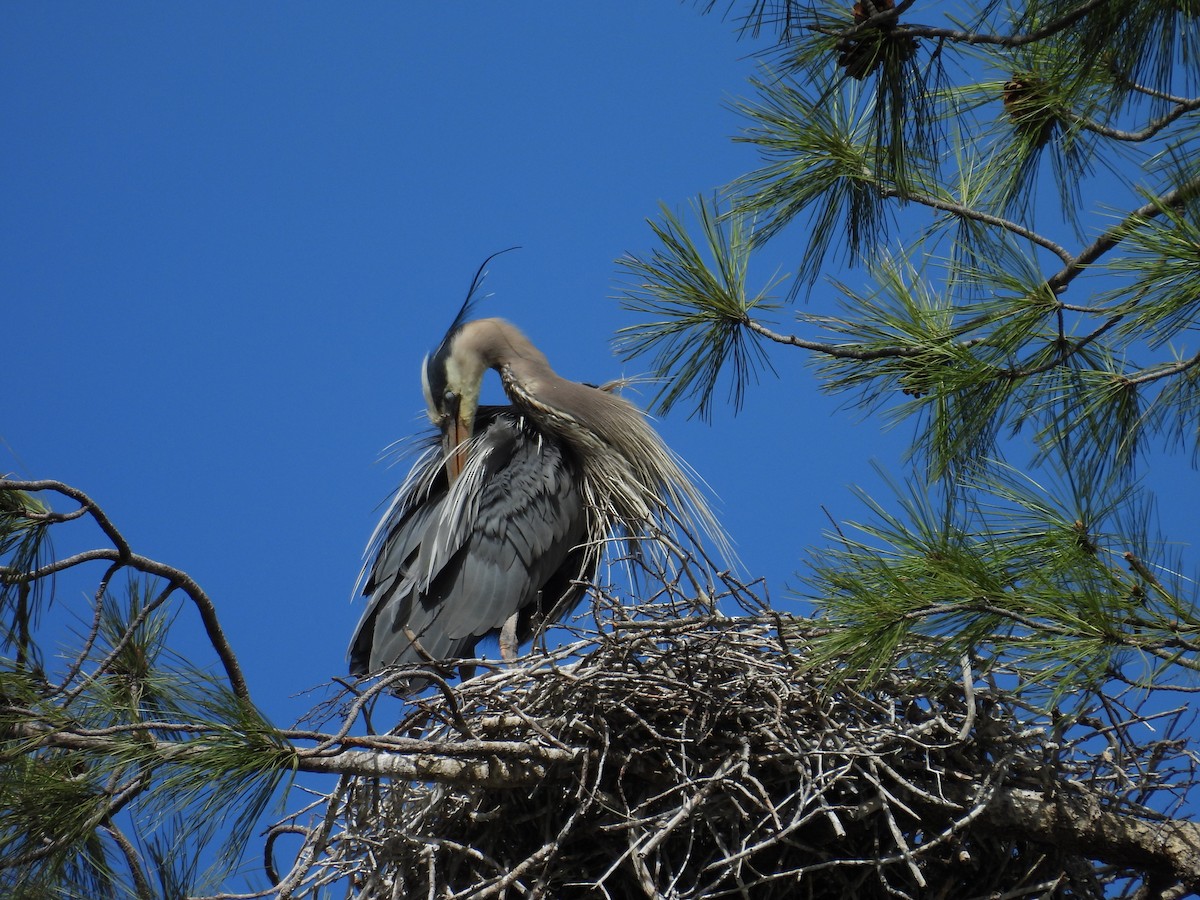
1078, 821
123, 554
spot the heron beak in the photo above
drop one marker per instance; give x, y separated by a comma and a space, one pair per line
455, 434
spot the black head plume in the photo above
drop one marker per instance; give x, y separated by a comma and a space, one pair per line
435, 363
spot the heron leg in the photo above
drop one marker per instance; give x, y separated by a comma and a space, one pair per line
508, 638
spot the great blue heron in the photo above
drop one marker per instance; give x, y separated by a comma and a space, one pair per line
502, 521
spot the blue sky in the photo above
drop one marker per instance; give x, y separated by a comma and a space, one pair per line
232, 230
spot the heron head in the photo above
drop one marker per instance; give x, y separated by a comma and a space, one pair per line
451, 377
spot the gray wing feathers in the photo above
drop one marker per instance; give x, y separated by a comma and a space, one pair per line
455, 565
530, 517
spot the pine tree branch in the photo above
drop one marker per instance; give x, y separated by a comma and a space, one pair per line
1075, 265
117, 648
122, 553
1154, 93
133, 861
1152, 128
1150, 375
966, 212
89, 640
960, 36
118, 799
1169, 649
86, 505
1117, 233
838, 351
1077, 820
1051, 28
486, 763
493, 772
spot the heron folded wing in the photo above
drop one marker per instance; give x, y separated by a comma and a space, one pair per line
379, 637
454, 563
530, 518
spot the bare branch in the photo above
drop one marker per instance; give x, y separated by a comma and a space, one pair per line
1114, 235
966, 212
839, 351
1152, 128
1079, 821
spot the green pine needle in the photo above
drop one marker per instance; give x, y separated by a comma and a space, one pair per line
694, 292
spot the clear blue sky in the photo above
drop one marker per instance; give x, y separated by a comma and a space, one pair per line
231, 231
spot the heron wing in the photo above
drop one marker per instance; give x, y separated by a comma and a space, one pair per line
455, 563
529, 519
395, 545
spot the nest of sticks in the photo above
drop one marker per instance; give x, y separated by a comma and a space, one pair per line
703, 756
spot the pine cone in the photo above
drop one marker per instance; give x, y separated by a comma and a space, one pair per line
865, 52
1025, 101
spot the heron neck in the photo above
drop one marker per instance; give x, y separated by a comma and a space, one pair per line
501, 345
556, 404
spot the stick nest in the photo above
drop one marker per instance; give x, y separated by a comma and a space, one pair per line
703, 757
